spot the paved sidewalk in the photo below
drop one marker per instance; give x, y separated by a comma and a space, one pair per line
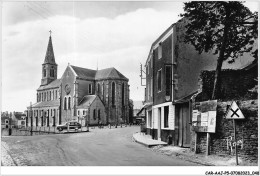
146, 140
6, 159
187, 154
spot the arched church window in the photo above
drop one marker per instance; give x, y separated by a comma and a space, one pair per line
69, 103
113, 93
99, 114
98, 89
65, 103
44, 72
52, 72
90, 88
123, 94
94, 114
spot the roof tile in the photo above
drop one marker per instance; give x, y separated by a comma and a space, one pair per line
87, 101
108, 73
54, 84
84, 72
46, 104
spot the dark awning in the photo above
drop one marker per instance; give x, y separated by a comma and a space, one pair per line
186, 98
146, 105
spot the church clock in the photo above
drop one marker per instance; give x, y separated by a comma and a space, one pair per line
67, 89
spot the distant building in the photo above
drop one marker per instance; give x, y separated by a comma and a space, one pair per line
81, 94
18, 119
5, 118
138, 117
15, 119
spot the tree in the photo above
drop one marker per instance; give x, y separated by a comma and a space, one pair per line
226, 28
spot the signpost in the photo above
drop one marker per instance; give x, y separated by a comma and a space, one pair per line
234, 113
204, 120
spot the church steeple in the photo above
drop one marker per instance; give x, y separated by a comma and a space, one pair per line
49, 67
49, 57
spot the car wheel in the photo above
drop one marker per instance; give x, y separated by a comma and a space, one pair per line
60, 129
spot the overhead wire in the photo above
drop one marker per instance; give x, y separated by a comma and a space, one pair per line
40, 10
46, 14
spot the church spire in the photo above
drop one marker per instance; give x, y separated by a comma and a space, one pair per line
49, 57
49, 67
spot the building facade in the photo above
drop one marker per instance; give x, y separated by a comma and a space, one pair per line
172, 73
76, 93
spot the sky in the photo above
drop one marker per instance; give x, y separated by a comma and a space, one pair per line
84, 33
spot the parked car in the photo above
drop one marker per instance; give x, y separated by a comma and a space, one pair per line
72, 125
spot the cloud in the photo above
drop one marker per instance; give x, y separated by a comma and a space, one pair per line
122, 42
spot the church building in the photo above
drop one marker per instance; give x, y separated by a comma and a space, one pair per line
81, 94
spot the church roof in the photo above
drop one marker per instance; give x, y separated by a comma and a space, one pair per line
108, 73
84, 72
49, 57
46, 104
54, 84
87, 101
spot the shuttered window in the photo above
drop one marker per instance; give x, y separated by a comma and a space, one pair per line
159, 80
168, 71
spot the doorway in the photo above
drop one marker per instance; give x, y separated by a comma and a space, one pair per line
183, 134
159, 123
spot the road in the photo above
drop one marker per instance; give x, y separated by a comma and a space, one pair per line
99, 147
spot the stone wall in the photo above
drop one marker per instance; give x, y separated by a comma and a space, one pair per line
247, 132
234, 84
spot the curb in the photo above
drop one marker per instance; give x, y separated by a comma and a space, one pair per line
146, 145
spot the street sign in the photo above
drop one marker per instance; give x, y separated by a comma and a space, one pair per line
205, 116
234, 112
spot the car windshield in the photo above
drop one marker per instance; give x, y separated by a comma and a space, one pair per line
71, 123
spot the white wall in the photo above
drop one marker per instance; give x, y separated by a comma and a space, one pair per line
171, 117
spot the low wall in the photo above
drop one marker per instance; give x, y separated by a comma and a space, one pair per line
247, 132
35, 131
